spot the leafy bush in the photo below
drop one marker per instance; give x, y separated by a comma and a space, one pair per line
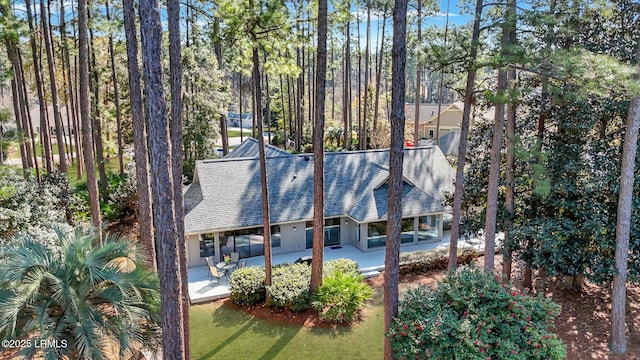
473, 315
247, 285
278, 138
290, 287
425, 261
26, 205
345, 266
123, 199
341, 297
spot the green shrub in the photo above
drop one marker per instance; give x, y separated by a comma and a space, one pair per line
473, 315
345, 266
247, 285
341, 297
424, 261
290, 287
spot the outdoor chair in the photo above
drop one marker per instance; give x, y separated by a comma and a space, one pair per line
235, 257
214, 272
243, 264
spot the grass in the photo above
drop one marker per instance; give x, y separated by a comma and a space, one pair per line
236, 133
220, 332
110, 165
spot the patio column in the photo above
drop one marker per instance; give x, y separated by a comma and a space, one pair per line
217, 246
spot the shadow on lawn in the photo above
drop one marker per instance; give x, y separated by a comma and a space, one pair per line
231, 316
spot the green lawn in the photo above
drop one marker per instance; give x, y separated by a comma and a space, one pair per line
236, 133
219, 332
110, 165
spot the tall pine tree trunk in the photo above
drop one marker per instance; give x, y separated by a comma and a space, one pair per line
240, 103
416, 130
76, 101
623, 226
496, 147
44, 128
318, 151
284, 119
54, 87
17, 111
27, 120
394, 217
378, 82
18, 102
359, 92
365, 111
346, 98
441, 80
116, 95
299, 96
143, 188
464, 133
510, 26
162, 182
268, 105
97, 123
85, 117
223, 117
177, 155
266, 219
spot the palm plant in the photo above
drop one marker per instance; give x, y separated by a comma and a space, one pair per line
341, 297
86, 300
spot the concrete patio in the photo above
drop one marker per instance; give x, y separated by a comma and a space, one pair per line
371, 262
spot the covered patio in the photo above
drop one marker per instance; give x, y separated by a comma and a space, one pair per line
202, 289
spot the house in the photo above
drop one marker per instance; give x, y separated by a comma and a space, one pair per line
244, 120
427, 111
450, 124
223, 206
450, 119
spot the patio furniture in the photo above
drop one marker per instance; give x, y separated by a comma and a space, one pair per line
243, 264
226, 267
214, 272
305, 259
235, 257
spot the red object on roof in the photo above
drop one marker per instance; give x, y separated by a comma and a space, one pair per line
409, 143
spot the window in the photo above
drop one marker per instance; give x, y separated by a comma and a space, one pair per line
331, 232
406, 234
246, 242
430, 134
309, 234
207, 245
376, 234
276, 236
428, 228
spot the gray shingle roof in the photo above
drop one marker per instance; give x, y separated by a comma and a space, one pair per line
227, 193
450, 142
249, 148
